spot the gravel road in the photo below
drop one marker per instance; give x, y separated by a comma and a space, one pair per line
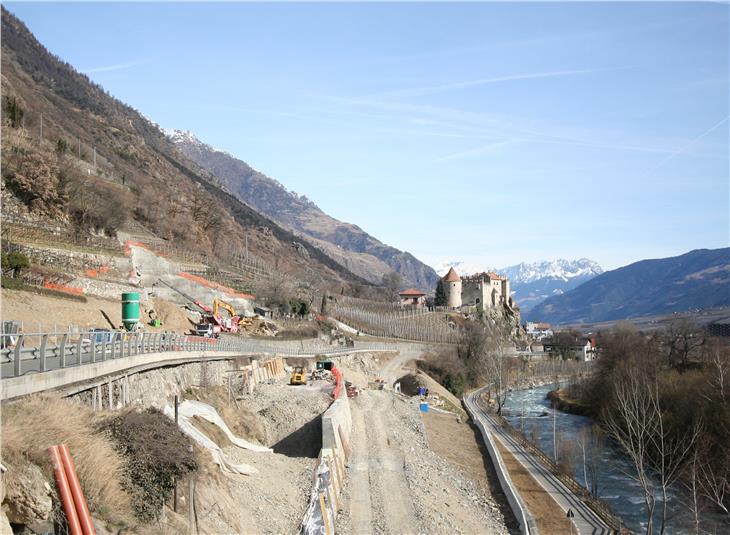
396, 484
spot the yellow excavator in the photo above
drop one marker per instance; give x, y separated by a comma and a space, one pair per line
298, 376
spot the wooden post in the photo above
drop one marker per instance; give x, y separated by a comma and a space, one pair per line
191, 507
111, 395
174, 481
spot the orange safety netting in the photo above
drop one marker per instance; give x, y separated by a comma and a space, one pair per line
63, 288
338, 382
215, 285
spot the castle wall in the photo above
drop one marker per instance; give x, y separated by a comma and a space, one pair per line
472, 293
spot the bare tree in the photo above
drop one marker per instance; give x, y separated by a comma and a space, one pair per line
692, 484
714, 480
393, 282
682, 339
493, 361
632, 425
669, 450
717, 362
639, 425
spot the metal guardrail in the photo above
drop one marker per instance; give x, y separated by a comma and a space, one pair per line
522, 514
598, 506
78, 349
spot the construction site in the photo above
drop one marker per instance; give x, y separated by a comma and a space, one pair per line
307, 432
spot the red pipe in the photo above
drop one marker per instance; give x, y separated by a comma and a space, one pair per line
82, 509
65, 492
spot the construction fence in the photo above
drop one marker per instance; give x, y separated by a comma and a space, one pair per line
329, 475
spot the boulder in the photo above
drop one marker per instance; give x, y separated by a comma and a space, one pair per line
27, 495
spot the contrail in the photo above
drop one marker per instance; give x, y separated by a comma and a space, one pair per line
117, 67
688, 145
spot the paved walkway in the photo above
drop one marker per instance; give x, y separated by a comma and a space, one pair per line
585, 520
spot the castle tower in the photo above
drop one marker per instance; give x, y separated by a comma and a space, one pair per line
452, 285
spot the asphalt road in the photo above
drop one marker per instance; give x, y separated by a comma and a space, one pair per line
585, 520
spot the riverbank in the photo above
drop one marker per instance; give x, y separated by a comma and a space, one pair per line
564, 403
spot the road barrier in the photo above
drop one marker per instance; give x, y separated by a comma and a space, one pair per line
329, 475
34, 352
522, 514
598, 506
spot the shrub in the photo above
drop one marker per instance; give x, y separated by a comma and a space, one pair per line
156, 452
13, 112
15, 261
35, 182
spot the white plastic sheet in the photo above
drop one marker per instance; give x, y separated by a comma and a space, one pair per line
188, 409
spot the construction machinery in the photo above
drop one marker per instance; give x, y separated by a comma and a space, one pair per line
298, 376
212, 322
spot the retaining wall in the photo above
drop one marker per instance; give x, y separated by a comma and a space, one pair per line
329, 477
525, 519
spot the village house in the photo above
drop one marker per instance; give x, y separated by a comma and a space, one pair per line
582, 348
412, 298
538, 331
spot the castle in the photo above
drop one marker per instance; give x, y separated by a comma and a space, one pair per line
482, 291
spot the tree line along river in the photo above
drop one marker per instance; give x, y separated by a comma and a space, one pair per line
613, 469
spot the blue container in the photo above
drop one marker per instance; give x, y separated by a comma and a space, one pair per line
421, 390
424, 406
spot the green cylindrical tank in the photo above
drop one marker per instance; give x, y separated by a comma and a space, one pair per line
130, 310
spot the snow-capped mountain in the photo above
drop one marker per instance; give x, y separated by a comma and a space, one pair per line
534, 282
560, 269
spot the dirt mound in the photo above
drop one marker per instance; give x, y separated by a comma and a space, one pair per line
172, 316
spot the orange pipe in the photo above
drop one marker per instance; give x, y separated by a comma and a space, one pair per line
65, 492
82, 509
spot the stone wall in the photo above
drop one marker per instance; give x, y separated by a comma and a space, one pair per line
104, 265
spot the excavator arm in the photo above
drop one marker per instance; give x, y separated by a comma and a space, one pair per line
220, 304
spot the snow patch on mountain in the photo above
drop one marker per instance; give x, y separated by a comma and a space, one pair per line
560, 269
525, 272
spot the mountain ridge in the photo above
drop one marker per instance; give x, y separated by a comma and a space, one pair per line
346, 243
697, 279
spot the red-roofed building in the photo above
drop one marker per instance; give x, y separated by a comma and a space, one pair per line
412, 298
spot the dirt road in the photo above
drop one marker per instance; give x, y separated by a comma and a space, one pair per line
397, 485
381, 499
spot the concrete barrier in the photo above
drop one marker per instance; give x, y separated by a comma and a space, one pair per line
324, 502
524, 518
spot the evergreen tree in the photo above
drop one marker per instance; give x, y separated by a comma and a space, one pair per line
440, 297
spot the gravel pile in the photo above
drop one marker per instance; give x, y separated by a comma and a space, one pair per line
283, 408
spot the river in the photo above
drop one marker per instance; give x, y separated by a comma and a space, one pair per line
613, 468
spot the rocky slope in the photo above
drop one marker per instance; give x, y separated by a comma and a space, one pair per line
102, 166
695, 280
346, 243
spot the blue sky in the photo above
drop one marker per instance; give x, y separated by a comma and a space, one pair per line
485, 132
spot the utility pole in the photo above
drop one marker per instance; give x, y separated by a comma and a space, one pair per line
41, 127
79, 148
95, 159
